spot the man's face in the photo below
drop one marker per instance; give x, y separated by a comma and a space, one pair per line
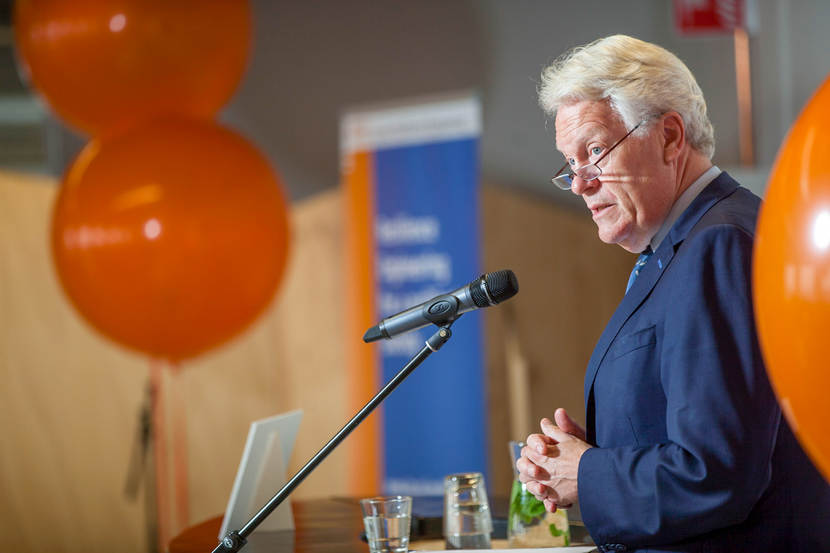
637, 188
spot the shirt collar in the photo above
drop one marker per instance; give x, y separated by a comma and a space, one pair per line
685, 199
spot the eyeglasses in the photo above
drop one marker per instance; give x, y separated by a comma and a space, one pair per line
587, 172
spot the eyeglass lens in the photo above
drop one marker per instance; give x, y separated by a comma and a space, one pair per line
587, 172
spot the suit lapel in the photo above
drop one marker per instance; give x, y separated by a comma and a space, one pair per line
650, 274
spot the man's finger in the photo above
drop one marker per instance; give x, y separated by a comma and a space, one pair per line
539, 442
554, 431
539, 490
540, 459
524, 465
550, 505
534, 470
524, 478
564, 421
527, 467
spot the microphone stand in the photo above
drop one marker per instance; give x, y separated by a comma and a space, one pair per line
236, 539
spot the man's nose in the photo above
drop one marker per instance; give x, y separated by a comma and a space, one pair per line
579, 185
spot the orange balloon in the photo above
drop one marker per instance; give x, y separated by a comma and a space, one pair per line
171, 238
103, 66
791, 272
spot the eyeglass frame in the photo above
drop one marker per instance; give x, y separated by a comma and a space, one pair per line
572, 174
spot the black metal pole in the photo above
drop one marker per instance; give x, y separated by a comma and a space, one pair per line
234, 540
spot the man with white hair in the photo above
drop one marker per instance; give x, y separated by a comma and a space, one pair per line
685, 447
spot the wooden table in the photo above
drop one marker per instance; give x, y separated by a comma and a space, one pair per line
323, 525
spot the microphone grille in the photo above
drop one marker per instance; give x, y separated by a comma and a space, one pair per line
502, 285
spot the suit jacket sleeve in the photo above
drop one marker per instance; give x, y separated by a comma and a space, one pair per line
721, 416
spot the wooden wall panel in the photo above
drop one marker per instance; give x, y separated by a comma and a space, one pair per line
569, 285
70, 398
291, 359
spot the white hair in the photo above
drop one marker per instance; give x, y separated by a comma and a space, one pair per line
640, 80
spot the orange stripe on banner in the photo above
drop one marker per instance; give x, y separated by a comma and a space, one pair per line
363, 448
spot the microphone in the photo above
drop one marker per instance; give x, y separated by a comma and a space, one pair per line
484, 291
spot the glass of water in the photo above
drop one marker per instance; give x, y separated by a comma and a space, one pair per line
467, 520
387, 521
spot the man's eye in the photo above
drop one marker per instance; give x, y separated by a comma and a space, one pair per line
596, 150
571, 161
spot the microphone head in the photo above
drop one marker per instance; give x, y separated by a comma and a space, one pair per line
502, 285
499, 285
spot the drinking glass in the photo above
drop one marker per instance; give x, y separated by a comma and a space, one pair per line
467, 521
387, 521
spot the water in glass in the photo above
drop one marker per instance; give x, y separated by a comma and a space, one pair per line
387, 533
472, 527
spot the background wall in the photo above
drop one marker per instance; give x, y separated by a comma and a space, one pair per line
312, 60
71, 399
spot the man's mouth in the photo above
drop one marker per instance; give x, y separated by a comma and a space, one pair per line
599, 209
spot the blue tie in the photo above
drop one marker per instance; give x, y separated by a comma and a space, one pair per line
635, 272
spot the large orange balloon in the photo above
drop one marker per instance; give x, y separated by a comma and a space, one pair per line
171, 238
103, 65
792, 278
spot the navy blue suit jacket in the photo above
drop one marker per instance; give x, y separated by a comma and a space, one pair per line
693, 454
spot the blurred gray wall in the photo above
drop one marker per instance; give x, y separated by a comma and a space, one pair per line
314, 59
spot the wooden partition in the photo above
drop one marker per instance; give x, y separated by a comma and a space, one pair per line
569, 285
71, 399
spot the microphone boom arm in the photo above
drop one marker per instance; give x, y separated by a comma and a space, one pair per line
236, 539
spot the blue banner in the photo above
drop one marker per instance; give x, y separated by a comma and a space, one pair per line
412, 171
426, 244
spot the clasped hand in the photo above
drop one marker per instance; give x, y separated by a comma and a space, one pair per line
549, 464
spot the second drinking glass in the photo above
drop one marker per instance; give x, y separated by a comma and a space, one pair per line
467, 521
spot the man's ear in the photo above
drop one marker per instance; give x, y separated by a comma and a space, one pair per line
674, 135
